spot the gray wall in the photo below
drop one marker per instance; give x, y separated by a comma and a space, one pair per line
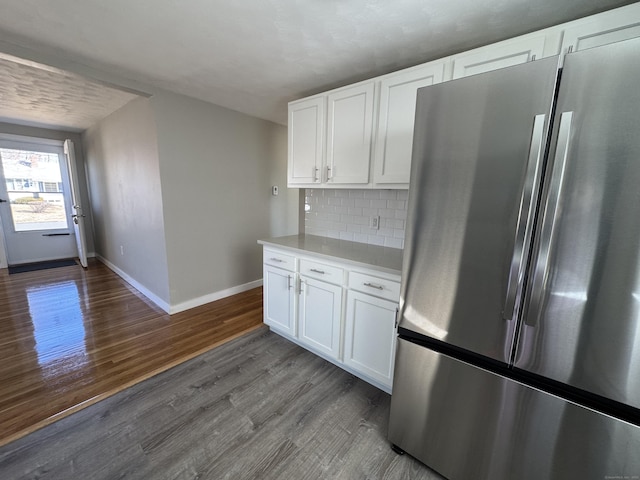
217, 167
284, 210
80, 164
185, 187
126, 197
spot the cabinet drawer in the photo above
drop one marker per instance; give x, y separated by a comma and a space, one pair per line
380, 287
321, 271
280, 260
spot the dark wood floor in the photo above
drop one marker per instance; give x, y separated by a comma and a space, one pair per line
256, 407
70, 337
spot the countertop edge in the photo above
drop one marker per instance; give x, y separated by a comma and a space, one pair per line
337, 257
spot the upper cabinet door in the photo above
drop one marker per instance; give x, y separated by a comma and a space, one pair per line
608, 27
499, 55
349, 132
395, 121
306, 141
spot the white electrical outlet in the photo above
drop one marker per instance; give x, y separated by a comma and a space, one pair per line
121, 250
374, 222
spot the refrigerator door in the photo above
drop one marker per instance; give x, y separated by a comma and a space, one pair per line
468, 423
582, 313
477, 156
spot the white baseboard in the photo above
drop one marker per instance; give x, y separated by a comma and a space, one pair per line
180, 307
135, 284
212, 297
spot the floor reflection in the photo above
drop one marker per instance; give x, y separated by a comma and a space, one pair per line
70, 337
58, 326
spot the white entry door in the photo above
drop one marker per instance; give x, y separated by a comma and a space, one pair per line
35, 201
78, 216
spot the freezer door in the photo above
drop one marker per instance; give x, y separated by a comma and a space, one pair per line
477, 156
468, 423
582, 324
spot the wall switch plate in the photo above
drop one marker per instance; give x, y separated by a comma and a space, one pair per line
374, 222
274, 190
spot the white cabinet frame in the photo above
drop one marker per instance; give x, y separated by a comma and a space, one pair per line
369, 340
396, 117
279, 302
319, 314
313, 312
360, 136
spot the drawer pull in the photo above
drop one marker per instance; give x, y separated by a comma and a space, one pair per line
317, 271
274, 259
289, 282
373, 285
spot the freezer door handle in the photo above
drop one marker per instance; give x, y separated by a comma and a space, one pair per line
525, 220
541, 269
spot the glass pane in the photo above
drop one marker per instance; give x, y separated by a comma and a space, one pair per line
34, 185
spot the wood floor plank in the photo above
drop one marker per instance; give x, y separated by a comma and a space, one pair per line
256, 407
70, 337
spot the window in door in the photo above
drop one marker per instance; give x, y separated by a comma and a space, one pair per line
35, 189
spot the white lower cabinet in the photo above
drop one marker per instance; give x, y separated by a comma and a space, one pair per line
304, 300
279, 299
319, 310
370, 336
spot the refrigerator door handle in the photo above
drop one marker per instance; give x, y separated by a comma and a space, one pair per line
525, 220
541, 269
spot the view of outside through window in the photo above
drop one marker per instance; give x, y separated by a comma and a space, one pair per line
34, 186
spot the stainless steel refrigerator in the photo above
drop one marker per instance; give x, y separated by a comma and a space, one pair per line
519, 337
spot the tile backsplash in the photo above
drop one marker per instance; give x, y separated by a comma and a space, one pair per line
346, 214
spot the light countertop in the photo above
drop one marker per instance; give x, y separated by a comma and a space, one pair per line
384, 259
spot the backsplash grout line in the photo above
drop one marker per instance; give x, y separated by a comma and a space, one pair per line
345, 215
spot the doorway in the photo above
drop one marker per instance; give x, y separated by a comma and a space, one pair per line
35, 201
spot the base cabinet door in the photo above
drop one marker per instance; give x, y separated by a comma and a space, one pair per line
279, 297
319, 316
370, 336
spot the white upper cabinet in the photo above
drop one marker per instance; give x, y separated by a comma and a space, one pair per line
499, 55
306, 141
361, 136
397, 108
608, 27
349, 130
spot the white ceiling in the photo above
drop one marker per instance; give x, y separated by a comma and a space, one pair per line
256, 55
30, 95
